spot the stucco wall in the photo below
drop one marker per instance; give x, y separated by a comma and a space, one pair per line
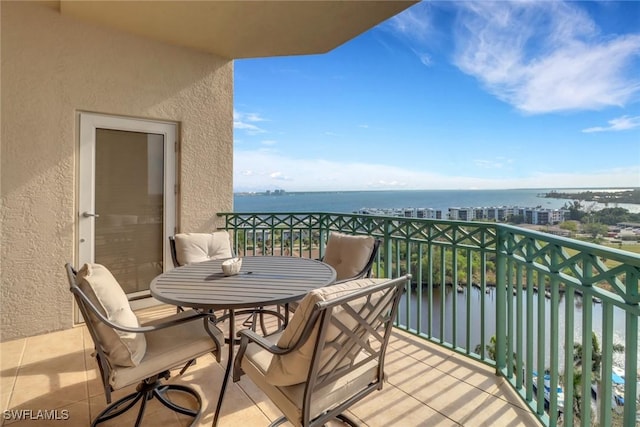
54, 66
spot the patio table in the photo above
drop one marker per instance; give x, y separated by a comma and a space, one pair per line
262, 281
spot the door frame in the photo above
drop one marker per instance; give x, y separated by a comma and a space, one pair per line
88, 123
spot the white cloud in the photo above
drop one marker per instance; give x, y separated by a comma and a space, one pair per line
244, 121
268, 170
498, 163
415, 28
269, 142
539, 56
545, 56
414, 23
619, 124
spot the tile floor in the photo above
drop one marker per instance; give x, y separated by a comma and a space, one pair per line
427, 386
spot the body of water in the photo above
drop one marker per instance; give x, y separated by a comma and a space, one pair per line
352, 201
489, 298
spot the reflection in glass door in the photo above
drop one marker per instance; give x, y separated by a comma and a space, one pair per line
129, 198
126, 181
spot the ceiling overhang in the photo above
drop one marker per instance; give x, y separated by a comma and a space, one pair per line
241, 29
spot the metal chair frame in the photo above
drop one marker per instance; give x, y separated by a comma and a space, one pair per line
150, 387
370, 337
366, 270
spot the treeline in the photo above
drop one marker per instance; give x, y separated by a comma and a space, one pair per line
606, 216
626, 196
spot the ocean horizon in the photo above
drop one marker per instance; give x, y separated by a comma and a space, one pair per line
353, 201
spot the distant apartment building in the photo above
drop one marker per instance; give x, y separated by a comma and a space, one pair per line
428, 213
535, 216
461, 214
422, 213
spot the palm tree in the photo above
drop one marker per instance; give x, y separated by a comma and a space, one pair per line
596, 371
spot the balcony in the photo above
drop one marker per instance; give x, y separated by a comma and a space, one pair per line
481, 291
559, 316
427, 385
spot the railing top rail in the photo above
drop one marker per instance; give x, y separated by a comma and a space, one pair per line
594, 249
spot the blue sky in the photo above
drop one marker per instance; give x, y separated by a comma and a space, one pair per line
450, 95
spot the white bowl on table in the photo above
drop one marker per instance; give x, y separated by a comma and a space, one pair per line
231, 266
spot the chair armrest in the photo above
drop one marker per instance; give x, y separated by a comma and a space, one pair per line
142, 329
248, 336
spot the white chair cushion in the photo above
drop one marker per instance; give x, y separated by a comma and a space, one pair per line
347, 254
198, 247
289, 399
104, 291
293, 368
168, 348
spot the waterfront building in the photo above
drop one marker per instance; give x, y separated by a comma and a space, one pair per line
529, 215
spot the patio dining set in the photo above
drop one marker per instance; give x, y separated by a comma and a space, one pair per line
327, 352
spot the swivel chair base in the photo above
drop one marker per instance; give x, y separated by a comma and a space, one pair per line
147, 390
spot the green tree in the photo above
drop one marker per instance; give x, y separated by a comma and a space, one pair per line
575, 210
595, 229
611, 216
571, 226
491, 351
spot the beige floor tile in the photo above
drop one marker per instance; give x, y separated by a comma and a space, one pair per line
399, 367
8, 380
427, 385
495, 413
4, 401
419, 349
41, 397
444, 393
11, 353
59, 380
472, 372
393, 407
55, 344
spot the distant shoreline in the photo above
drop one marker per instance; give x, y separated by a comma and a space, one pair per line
631, 196
568, 190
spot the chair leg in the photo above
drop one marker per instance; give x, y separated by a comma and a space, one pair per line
279, 421
146, 391
187, 366
160, 394
116, 408
347, 420
143, 406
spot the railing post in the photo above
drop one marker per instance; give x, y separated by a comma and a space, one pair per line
501, 292
388, 250
321, 235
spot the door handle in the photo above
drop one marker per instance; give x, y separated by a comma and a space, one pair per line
90, 214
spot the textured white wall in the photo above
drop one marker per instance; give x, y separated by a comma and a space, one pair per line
54, 66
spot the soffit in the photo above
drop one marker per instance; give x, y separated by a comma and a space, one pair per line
241, 29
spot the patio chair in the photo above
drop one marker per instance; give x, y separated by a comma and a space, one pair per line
331, 354
190, 248
351, 256
129, 353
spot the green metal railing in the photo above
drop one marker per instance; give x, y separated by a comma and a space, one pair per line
544, 310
